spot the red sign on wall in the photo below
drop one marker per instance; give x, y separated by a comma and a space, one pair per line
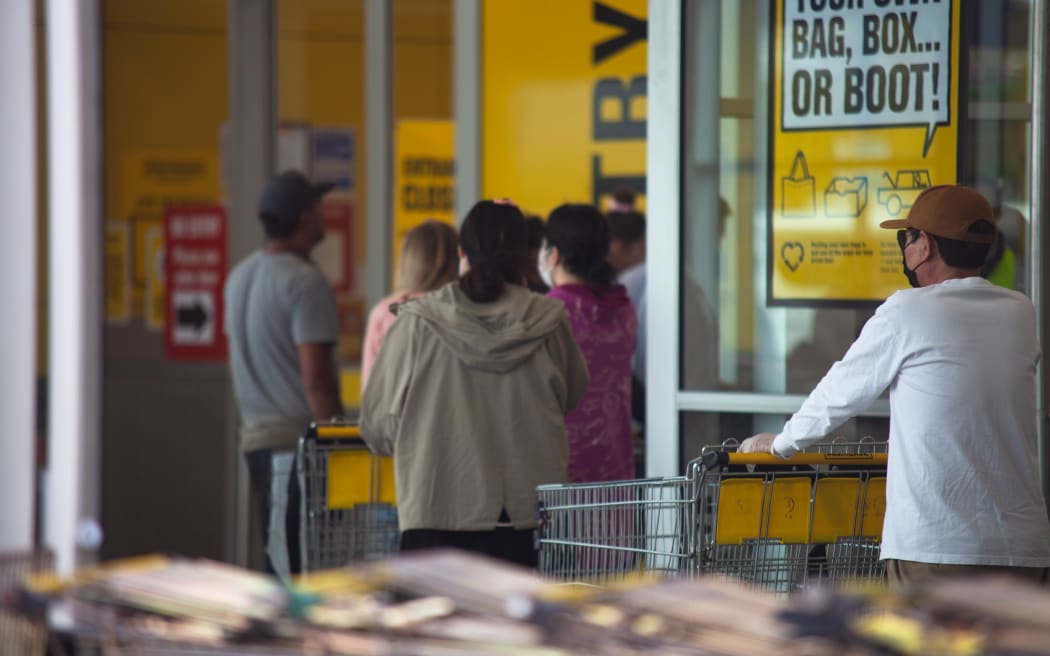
195, 269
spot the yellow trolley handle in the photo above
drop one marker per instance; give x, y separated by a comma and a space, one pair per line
341, 433
724, 458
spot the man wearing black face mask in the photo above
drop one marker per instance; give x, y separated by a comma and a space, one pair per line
906, 238
962, 492
958, 245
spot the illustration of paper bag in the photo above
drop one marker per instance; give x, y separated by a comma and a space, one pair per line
798, 190
846, 197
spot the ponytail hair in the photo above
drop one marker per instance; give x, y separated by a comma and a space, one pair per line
581, 235
493, 238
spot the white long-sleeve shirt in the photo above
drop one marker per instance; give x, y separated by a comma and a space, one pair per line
959, 359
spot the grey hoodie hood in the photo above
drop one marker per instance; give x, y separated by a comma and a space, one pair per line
496, 336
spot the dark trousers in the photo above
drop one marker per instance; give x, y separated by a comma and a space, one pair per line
505, 543
906, 573
260, 472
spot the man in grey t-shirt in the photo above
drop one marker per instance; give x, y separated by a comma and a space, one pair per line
282, 325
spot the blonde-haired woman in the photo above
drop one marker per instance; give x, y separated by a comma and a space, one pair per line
428, 261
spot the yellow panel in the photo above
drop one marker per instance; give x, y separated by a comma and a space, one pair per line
834, 508
165, 90
193, 14
789, 509
349, 478
387, 492
423, 79
350, 387
321, 82
321, 18
419, 20
739, 513
874, 508
165, 99
118, 287
155, 306
546, 64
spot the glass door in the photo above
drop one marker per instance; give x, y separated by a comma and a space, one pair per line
803, 127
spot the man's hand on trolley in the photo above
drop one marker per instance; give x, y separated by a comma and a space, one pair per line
761, 443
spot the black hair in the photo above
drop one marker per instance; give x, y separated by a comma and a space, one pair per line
493, 239
534, 228
581, 235
276, 226
628, 227
625, 196
996, 251
960, 254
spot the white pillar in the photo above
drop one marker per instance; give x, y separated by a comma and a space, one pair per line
18, 267
75, 282
249, 161
663, 260
379, 111
466, 48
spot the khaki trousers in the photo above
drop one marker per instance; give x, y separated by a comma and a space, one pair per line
906, 573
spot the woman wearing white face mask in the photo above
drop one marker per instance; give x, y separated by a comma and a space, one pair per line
573, 262
534, 280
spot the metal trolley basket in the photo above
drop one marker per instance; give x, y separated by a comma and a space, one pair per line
600, 531
778, 524
783, 524
348, 510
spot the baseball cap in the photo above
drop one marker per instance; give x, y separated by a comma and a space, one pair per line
289, 194
948, 211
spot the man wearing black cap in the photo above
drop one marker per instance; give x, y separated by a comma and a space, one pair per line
282, 325
962, 491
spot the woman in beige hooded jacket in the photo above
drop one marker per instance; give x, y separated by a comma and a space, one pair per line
469, 393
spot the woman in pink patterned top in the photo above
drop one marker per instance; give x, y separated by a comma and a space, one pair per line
428, 260
604, 325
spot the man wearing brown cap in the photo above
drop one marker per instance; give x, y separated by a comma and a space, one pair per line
282, 325
962, 493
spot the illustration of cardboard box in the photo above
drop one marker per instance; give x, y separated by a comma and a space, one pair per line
798, 197
846, 197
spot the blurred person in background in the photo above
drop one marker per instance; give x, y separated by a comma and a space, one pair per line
626, 241
533, 279
282, 326
1004, 267
469, 394
623, 200
627, 258
428, 261
603, 323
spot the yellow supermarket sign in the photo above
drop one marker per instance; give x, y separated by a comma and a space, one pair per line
564, 100
864, 117
424, 176
148, 182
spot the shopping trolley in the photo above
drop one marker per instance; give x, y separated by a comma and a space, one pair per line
784, 524
21, 632
597, 532
348, 510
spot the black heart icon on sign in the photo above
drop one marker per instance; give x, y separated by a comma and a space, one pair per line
793, 254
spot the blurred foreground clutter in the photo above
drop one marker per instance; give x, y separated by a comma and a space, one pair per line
448, 602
